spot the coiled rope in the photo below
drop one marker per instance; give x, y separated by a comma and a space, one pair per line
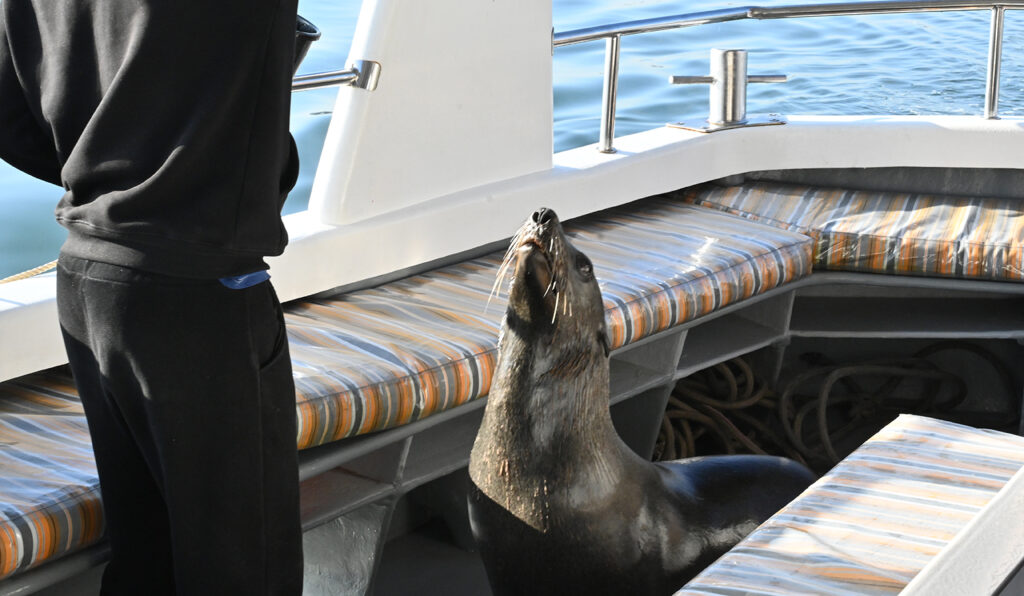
707, 410
30, 273
726, 409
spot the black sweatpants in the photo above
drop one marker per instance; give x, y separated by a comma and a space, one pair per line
188, 392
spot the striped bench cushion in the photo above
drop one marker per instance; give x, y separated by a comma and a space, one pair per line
383, 357
49, 491
881, 232
873, 522
387, 356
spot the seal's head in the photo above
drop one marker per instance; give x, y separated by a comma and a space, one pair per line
555, 302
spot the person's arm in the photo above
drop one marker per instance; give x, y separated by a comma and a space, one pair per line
23, 142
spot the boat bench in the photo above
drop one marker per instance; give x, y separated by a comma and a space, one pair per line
388, 379
923, 507
387, 357
886, 232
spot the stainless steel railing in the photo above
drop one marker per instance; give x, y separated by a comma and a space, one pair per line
612, 34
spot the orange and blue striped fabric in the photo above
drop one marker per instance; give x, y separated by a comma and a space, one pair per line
883, 232
873, 522
49, 492
387, 356
391, 355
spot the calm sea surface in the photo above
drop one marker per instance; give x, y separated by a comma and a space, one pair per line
891, 64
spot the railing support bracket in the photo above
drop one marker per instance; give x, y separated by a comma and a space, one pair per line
363, 74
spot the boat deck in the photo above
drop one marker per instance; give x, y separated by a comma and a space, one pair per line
427, 561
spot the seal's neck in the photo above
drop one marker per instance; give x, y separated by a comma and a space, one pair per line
550, 397
546, 429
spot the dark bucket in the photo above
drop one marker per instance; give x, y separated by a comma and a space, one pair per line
305, 34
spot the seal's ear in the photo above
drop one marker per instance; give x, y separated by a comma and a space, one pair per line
602, 336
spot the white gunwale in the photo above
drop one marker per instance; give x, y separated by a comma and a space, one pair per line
321, 256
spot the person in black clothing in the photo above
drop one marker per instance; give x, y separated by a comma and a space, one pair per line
167, 125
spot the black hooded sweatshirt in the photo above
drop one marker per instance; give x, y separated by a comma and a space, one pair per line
166, 121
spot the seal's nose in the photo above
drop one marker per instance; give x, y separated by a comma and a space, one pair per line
543, 215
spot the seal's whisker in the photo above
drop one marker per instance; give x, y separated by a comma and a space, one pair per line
495, 290
500, 277
503, 270
516, 241
552, 287
506, 265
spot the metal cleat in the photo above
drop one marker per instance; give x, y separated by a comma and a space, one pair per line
728, 94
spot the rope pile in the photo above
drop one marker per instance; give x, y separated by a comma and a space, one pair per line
821, 414
722, 409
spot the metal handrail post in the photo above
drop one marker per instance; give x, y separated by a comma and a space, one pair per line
995, 56
609, 94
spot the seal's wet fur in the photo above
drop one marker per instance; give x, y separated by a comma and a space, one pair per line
560, 505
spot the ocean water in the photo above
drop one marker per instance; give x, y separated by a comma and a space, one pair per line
886, 64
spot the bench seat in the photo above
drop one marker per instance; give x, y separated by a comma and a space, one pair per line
379, 358
886, 232
878, 518
49, 491
387, 356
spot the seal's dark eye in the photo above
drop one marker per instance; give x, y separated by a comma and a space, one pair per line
584, 266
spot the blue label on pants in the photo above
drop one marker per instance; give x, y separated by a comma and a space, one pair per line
241, 282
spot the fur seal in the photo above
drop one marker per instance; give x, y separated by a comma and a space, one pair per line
559, 504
